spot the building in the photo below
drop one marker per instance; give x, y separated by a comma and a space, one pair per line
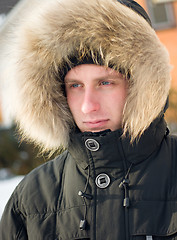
163, 14
164, 19
7, 5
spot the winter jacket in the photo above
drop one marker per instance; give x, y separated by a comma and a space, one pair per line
121, 191
108, 185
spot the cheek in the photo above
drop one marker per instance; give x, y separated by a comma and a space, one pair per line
118, 99
73, 103
123, 95
70, 101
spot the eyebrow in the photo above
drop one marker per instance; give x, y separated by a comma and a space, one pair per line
68, 80
72, 81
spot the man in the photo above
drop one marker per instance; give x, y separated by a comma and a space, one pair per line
92, 77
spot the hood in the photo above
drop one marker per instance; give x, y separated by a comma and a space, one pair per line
45, 39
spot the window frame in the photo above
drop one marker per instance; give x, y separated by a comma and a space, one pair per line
169, 9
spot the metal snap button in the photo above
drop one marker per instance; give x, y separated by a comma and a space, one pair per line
92, 145
102, 180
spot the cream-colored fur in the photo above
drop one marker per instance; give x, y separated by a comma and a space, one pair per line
44, 40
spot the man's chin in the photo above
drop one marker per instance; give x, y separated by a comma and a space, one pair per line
96, 130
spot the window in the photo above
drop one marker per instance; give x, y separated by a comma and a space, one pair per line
161, 14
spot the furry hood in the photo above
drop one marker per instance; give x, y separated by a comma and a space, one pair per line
43, 42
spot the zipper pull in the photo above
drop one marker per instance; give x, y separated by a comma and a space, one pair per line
124, 185
82, 225
126, 203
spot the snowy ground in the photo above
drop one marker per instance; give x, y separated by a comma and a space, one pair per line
6, 188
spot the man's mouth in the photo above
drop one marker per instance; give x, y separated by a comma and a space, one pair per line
96, 124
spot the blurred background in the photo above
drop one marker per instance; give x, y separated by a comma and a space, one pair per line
18, 158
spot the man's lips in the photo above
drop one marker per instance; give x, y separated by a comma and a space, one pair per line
96, 123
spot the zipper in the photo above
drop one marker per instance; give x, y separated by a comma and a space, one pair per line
126, 202
125, 186
94, 194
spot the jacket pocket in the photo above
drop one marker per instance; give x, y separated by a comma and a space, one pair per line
153, 220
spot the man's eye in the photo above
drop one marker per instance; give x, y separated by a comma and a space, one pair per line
105, 83
75, 85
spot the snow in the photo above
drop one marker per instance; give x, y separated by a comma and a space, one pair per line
6, 188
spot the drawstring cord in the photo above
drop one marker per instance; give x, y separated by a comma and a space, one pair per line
126, 203
125, 184
84, 195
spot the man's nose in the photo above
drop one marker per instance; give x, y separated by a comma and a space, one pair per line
90, 102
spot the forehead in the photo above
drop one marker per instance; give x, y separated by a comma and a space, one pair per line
91, 70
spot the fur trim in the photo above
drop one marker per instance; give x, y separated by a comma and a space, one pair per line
52, 33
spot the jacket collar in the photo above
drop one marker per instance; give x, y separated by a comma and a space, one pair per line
109, 149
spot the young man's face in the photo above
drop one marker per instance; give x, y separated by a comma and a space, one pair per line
96, 97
